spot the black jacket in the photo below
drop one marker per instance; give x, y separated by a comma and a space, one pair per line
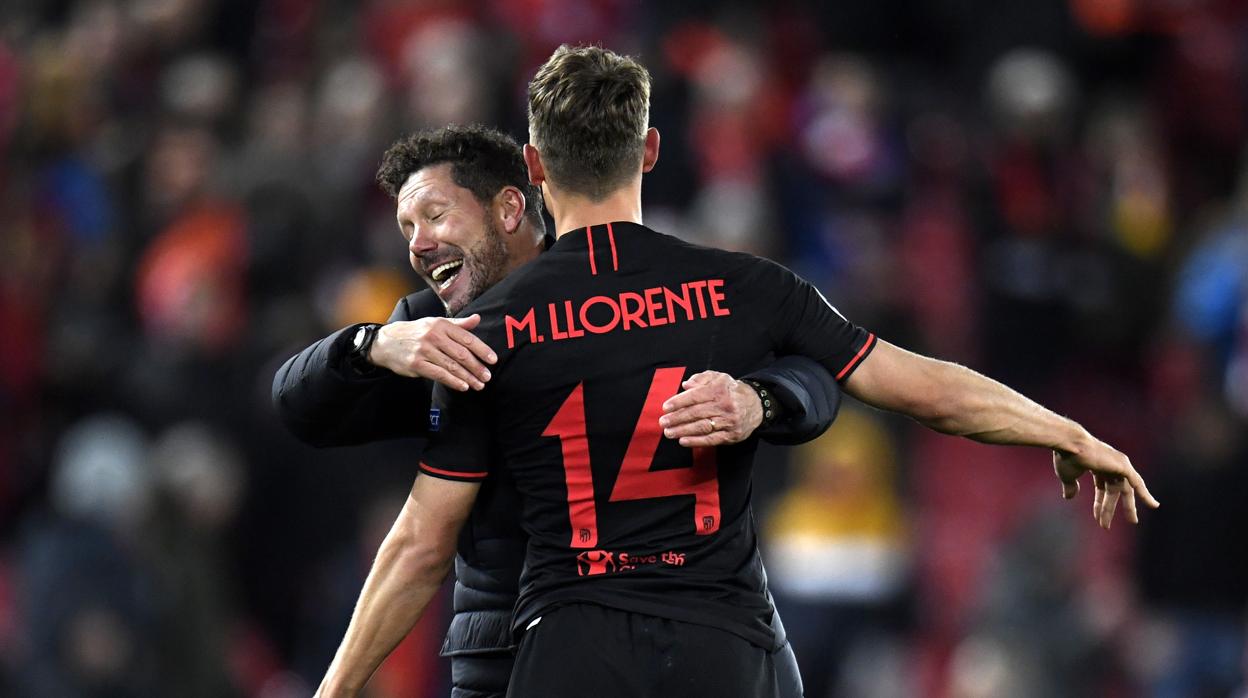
324, 401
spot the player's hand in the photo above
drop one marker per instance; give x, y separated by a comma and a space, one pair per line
440, 349
1113, 476
714, 410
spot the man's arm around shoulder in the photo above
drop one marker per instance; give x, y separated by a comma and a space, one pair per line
327, 396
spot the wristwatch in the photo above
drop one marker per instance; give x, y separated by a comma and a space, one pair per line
361, 343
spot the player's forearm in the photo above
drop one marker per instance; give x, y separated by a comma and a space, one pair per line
953, 399
403, 580
980, 408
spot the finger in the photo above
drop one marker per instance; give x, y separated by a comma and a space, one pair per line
698, 427
719, 438
1137, 484
469, 322
473, 343
1112, 495
434, 372
454, 368
465, 358
690, 399
1128, 505
1098, 497
732, 435
1069, 489
701, 379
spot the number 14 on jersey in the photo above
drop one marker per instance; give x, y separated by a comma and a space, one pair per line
635, 479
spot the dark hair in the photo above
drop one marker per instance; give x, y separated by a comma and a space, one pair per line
588, 113
483, 161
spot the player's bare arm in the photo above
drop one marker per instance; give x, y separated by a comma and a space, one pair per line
411, 563
713, 409
953, 399
440, 349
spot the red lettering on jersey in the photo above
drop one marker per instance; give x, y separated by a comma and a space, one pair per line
697, 287
714, 288
569, 425
555, 333
652, 306
513, 324
633, 316
571, 316
637, 481
600, 329
682, 300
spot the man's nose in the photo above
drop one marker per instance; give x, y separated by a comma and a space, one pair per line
422, 241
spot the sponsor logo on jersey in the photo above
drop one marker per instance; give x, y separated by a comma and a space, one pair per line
594, 562
435, 419
590, 563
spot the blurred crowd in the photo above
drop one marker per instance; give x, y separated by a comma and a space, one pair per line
1055, 193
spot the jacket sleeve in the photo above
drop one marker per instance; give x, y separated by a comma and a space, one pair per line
809, 395
323, 401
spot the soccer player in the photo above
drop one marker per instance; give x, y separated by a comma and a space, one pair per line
642, 576
369, 382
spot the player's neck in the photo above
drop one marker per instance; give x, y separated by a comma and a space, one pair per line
573, 212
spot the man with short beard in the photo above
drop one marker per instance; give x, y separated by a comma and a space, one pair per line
470, 217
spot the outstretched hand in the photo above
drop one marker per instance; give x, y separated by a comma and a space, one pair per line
1113, 477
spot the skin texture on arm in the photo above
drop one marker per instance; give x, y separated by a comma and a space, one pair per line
411, 563
953, 399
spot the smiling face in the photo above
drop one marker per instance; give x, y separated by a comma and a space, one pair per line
452, 240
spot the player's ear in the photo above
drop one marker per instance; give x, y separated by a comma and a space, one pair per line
509, 208
533, 159
651, 155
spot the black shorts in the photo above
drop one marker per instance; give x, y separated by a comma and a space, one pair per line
581, 650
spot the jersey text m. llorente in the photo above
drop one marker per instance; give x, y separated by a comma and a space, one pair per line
592, 338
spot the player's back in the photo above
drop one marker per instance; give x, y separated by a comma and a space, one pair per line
593, 337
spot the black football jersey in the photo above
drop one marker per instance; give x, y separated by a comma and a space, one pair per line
592, 338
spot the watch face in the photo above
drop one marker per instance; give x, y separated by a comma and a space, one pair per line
360, 334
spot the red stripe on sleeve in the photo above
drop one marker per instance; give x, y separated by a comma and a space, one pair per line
866, 346
451, 473
589, 235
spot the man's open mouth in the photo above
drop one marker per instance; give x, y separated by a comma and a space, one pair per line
444, 274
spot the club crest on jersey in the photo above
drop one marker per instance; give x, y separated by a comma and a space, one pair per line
435, 419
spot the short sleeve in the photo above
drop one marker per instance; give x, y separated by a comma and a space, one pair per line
460, 427
806, 324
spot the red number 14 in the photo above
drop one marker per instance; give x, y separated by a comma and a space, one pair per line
635, 480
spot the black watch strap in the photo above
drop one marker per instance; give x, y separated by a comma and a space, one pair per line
773, 411
361, 343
